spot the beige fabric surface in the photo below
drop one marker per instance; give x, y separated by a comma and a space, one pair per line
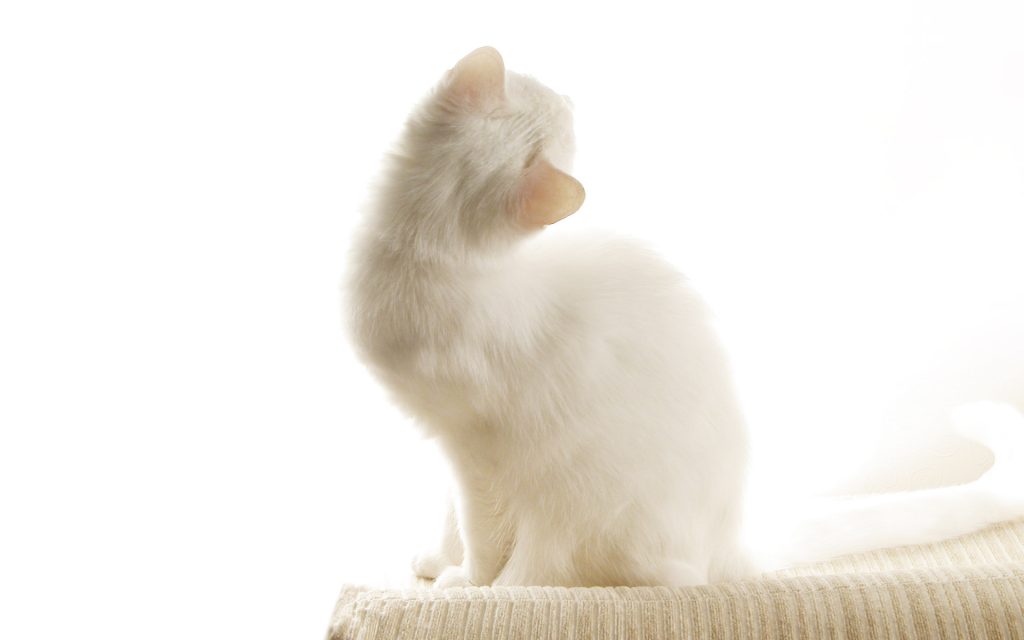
969, 587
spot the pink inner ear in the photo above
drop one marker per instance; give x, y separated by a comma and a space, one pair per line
479, 78
549, 195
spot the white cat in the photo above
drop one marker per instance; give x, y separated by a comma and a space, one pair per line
575, 383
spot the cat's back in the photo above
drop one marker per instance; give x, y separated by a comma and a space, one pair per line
610, 314
615, 282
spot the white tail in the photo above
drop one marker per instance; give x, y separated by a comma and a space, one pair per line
832, 527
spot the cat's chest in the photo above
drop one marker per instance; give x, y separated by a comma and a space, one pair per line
433, 372
428, 366
458, 348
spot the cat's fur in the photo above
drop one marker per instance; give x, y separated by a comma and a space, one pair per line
575, 383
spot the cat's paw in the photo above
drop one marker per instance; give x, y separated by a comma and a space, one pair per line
452, 576
429, 565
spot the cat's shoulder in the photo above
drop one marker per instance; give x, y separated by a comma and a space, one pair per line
592, 241
601, 251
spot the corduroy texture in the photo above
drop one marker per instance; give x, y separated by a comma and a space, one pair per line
970, 587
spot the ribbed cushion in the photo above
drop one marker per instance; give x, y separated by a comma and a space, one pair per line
970, 587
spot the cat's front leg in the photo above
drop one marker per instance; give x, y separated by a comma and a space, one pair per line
448, 553
486, 538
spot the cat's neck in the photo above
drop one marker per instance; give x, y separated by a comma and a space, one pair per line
408, 294
414, 257
434, 228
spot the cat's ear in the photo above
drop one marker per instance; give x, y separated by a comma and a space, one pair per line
548, 195
479, 78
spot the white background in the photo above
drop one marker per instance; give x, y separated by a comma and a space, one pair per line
188, 447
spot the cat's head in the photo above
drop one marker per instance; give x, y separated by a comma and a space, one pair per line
499, 146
